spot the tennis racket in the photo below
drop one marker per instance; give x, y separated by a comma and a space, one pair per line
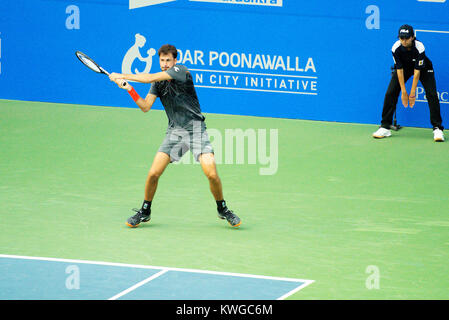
92, 65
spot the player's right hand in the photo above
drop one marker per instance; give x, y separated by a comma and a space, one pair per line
120, 83
404, 98
412, 99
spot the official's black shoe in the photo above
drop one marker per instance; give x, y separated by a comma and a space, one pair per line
139, 217
230, 216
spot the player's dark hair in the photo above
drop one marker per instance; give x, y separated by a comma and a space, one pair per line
168, 48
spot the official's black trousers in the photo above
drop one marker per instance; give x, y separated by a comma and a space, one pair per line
427, 79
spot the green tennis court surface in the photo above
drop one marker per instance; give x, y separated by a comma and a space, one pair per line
363, 218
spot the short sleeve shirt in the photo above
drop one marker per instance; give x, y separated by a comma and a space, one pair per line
179, 98
410, 59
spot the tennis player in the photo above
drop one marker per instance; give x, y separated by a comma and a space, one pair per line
410, 60
186, 129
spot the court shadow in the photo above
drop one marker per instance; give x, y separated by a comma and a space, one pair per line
146, 225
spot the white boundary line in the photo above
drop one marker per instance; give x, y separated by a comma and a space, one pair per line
165, 269
261, 90
305, 284
141, 283
256, 74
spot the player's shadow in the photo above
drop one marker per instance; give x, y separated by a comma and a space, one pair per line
145, 225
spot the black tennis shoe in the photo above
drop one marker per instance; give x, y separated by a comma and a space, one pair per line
139, 217
230, 216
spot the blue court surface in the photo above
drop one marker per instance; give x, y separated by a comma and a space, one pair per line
36, 278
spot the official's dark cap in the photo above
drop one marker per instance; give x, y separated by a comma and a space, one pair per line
406, 31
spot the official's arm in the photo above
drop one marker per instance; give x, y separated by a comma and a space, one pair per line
404, 95
412, 96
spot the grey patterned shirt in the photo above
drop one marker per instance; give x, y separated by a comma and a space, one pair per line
178, 96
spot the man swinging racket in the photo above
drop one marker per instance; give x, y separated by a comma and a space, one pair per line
186, 129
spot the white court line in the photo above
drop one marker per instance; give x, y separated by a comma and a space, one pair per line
256, 74
305, 284
141, 283
261, 90
156, 267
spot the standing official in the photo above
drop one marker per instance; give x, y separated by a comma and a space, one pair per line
410, 60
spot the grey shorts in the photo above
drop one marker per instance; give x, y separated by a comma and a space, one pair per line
179, 140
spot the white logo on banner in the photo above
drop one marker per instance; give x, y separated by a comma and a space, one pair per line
251, 71
270, 3
133, 53
133, 4
73, 20
373, 20
443, 96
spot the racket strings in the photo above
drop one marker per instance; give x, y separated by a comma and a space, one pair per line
88, 62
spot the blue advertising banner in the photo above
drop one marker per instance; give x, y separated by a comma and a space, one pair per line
319, 60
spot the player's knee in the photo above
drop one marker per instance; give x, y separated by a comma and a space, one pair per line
154, 175
212, 175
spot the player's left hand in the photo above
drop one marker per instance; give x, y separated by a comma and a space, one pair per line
404, 98
114, 76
